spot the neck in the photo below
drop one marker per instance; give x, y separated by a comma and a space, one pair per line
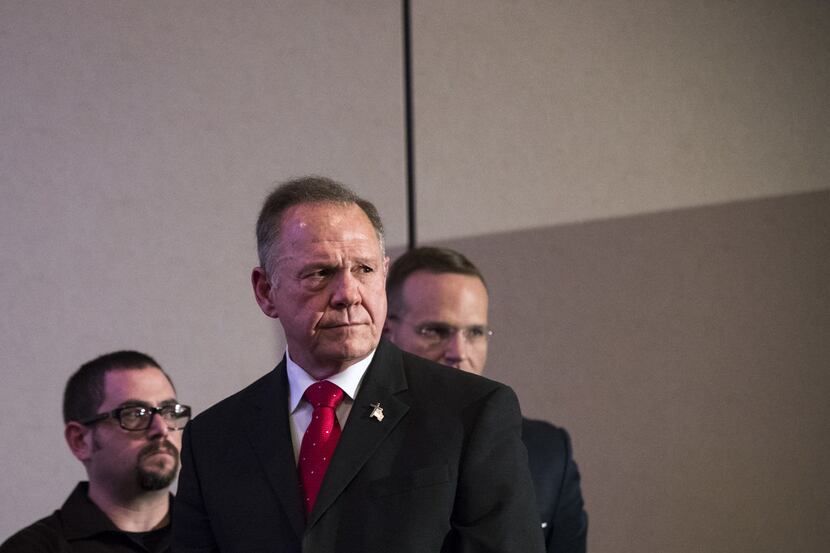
322, 373
324, 370
141, 512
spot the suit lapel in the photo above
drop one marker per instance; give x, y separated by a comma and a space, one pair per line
363, 434
268, 430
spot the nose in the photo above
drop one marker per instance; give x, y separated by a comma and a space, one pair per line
455, 349
346, 291
158, 427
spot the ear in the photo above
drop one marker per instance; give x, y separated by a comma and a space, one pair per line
262, 292
390, 326
79, 439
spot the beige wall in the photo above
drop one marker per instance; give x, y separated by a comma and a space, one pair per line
138, 141
534, 113
678, 332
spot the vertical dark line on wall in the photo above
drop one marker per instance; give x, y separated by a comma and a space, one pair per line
409, 128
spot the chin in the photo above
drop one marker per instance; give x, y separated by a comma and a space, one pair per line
156, 480
467, 369
353, 349
361, 337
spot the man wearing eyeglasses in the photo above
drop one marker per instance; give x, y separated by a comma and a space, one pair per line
123, 422
438, 305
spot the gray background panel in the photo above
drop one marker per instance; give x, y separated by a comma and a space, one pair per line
687, 354
644, 182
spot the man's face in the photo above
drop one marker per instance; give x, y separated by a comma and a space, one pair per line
122, 460
328, 286
445, 305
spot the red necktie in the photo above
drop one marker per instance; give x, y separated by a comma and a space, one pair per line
319, 439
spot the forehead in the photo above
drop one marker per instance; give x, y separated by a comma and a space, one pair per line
147, 384
455, 299
314, 228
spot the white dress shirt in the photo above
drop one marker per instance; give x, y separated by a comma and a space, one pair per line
299, 411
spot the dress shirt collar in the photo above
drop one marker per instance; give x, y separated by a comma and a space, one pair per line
348, 380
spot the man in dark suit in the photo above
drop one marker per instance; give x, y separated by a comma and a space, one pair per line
438, 305
349, 445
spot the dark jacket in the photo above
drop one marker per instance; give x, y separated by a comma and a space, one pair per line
444, 471
556, 483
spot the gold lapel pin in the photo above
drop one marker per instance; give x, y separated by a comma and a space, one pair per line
377, 412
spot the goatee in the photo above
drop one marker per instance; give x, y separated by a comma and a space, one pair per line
153, 480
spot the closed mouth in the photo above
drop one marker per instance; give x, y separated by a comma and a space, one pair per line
341, 325
166, 448
160, 451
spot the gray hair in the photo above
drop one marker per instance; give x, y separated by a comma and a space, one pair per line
305, 190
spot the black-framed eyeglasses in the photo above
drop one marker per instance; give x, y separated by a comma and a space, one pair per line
138, 417
439, 333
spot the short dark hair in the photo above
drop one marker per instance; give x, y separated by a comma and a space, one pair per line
304, 190
84, 391
430, 259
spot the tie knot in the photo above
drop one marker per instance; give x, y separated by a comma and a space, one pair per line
323, 394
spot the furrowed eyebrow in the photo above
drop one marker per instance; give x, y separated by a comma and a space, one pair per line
370, 261
316, 265
320, 265
335, 266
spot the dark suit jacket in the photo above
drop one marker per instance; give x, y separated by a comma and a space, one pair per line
556, 483
444, 471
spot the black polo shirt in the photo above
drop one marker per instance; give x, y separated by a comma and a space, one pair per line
79, 526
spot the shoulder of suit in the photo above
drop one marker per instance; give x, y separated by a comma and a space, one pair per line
542, 434
423, 369
241, 398
543, 430
448, 383
542, 427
